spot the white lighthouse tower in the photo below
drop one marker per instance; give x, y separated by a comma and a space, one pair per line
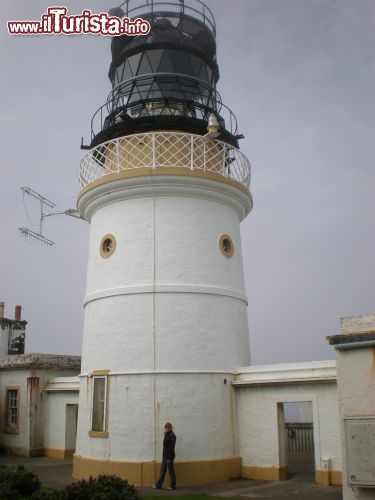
164, 188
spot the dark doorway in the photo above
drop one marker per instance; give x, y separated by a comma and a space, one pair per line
299, 431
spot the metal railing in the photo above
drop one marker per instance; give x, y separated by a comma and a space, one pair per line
300, 436
177, 94
164, 150
193, 8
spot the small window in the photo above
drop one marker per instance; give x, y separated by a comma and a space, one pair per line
12, 410
99, 400
107, 245
226, 245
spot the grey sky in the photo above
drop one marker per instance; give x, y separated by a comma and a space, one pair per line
300, 77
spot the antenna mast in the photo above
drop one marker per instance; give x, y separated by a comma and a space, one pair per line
28, 233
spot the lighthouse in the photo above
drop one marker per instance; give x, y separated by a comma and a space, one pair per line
164, 188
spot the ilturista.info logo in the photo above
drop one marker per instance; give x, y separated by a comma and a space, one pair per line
57, 22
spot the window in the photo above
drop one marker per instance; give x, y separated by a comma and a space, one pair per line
12, 410
107, 245
99, 400
226, 246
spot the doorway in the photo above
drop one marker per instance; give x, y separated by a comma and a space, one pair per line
71, 417
297, 443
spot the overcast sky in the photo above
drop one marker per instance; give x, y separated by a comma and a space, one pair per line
300, 77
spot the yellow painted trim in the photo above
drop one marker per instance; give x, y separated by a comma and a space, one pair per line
336, 477
265, 473
145, 172
57, 453
328, 477
94, 373
189, 473
98, 434
322, 477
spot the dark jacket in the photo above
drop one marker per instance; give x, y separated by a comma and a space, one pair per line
168, 445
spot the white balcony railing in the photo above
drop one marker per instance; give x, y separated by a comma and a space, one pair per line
164, 150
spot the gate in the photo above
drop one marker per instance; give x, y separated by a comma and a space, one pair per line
300, 436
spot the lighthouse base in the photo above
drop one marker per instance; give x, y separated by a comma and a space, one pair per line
188, 473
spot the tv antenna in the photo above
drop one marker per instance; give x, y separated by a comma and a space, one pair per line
44, 205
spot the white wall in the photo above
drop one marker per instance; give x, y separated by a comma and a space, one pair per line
20, 441
257, 410
60, 399
31, 383
165, 314
167, 282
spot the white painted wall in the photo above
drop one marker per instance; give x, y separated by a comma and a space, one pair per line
32, 399
355, 324
16, 379
257, 410
166, 314
208, 408
60, 393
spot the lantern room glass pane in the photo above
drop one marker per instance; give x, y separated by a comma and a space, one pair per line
134, 62
196, 64
144, 66
127, 74
165, 65
203, 73
118, 74
154, 57
181, 62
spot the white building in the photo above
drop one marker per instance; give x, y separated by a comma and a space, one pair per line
262, 392
29, 425
356, 395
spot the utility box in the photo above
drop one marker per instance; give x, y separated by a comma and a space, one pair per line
360, 451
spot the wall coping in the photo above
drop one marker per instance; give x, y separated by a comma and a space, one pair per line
287, 373
63, 384
34, 361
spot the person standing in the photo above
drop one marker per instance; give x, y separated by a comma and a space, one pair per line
169, 443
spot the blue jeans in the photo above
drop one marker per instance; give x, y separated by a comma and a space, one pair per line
166, 464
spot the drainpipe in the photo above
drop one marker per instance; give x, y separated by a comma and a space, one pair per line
355, 345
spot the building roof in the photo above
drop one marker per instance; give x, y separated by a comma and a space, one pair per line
287, 373
25, 361
348, 338
7, 321
356, 332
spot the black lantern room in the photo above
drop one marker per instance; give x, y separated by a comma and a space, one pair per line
165, 80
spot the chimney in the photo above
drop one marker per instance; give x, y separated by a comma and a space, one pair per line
2, 307
17, 313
